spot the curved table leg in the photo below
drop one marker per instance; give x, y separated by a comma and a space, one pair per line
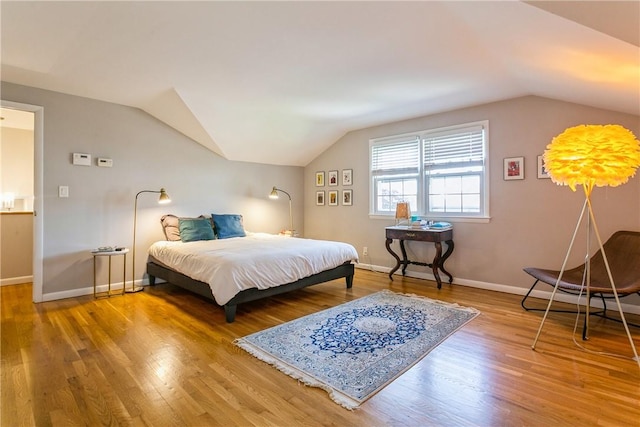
394, 269
405, 261
444, 258
437, 264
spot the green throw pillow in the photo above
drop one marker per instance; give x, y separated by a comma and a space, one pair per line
193, 229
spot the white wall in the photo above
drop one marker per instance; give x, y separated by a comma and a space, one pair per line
532, 220
147, 155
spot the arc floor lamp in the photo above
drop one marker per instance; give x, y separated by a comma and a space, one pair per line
274, 195
163, 199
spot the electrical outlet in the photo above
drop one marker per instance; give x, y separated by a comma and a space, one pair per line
365, 251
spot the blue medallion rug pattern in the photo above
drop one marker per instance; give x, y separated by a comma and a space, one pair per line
355, 349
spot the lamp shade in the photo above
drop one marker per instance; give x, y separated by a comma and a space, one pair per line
164, 197
274, 193
403, 211
593, 155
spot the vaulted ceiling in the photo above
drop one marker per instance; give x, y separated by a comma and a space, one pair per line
279, 82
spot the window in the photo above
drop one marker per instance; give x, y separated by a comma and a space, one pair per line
440, 172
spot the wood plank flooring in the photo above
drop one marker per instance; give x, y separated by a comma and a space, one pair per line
165, 357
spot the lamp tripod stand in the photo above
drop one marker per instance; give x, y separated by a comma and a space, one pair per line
586, 280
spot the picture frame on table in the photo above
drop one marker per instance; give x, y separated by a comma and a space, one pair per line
513, 168
542, 170
347, 176
332, 177
333, 198
320, 198
320, 179
347, 197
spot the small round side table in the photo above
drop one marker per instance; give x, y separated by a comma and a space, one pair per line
121, 252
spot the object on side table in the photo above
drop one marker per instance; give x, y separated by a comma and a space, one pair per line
403, 212
440, 225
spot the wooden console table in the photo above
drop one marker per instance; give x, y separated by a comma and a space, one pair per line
421, 235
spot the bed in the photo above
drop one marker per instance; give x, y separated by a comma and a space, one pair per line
231, 266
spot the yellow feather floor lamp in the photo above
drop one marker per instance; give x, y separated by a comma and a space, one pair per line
591, 156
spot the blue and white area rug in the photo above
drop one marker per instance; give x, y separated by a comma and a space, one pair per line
355, 349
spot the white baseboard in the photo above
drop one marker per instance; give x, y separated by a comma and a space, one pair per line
16, 280
627, 308
72, 293
572, 299
89, 290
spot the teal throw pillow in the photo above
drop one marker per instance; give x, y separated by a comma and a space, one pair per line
228, 225
193, 229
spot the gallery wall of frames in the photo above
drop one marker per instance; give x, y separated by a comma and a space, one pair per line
334, 196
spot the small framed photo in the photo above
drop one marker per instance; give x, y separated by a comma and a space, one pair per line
513, 168
542, 171
347, 197
333, 178
333, 198
320, 179
347, 176
320, 198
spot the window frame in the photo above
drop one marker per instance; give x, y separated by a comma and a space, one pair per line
422, 179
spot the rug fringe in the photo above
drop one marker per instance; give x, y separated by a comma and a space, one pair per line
339, 398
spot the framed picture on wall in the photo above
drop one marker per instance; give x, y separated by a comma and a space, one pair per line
320, 179
347, 176
320, 198
542, 171
333, 178
347, 197
333, 198
513, 168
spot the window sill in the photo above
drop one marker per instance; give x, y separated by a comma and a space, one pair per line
453, 220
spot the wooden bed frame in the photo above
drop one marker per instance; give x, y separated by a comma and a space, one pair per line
154, 270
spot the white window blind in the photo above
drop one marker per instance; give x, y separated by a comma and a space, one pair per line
396, 157
456, 146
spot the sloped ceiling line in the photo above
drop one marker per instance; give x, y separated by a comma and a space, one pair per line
280, 82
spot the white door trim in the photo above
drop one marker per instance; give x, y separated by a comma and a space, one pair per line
38, 185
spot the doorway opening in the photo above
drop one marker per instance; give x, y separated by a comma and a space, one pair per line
30, 202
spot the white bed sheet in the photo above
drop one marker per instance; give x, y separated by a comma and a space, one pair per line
258, 260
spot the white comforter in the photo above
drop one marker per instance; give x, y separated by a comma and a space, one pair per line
258, 260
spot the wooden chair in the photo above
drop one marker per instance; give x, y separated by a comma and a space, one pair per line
623, 254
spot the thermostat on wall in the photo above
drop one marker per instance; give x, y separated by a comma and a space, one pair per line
82, 159
105, 163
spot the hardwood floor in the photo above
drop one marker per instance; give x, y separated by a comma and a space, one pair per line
165, 357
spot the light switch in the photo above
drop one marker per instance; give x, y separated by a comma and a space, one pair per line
63, 191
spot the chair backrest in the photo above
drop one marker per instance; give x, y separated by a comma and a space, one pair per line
623, 254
